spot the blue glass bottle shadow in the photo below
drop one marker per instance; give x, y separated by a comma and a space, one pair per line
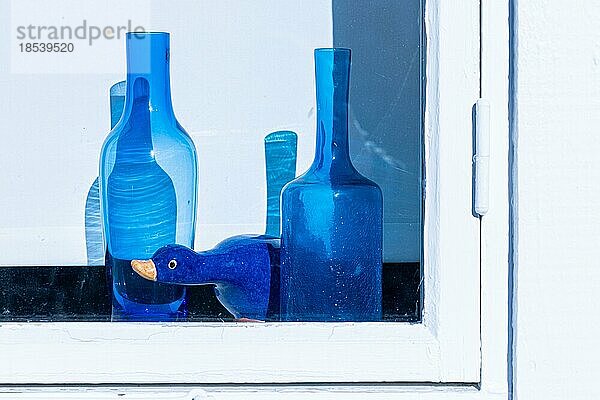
95, 247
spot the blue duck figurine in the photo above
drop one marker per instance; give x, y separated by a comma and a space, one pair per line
243, 268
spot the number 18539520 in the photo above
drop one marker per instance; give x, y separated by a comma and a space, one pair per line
62, 47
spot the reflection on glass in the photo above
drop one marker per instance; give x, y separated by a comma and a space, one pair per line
386, 118
385, 129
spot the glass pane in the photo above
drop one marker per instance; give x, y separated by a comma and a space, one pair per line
385, 111
243, 88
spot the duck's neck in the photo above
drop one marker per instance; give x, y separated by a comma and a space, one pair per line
212, 267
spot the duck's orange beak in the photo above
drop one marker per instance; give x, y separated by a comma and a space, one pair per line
145, 268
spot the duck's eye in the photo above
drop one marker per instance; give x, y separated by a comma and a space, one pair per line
172, 264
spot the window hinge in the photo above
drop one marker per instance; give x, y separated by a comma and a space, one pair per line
481, 159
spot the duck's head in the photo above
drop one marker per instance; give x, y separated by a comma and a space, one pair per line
170, 264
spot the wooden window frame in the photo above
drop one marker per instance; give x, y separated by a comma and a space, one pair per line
453, 344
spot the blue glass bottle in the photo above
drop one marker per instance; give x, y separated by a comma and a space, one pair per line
148, 184
331, 239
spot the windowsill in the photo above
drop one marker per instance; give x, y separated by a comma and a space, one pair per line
60, 294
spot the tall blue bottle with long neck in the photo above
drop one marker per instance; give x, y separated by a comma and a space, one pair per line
148, 184
331, 236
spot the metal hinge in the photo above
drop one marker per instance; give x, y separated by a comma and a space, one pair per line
481, 159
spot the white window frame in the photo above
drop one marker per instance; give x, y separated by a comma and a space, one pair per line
445, 347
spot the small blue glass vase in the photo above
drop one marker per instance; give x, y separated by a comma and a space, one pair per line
280, 164
332, 235
94, 243
148, 184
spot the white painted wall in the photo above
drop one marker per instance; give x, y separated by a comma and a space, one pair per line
239, 70
557, 196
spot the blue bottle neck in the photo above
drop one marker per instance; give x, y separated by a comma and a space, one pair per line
148, 57
332, 69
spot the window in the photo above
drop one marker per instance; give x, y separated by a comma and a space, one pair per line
431, 244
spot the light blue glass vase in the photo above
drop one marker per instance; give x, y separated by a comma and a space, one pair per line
280, 164
148, 184
331, 236
94, 243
